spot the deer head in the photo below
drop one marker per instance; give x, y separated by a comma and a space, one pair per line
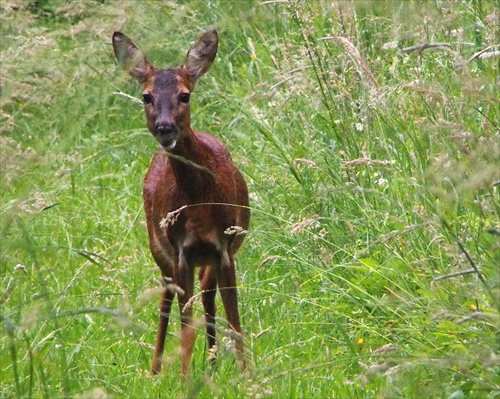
166, 92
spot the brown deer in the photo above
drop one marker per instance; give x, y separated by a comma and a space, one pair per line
195, 198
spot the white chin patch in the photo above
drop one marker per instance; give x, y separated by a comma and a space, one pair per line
169, 146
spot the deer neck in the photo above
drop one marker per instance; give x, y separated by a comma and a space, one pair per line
188, 160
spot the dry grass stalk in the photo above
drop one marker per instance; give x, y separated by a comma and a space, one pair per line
486, 53
171, 217
424, 91
426, 46
269, 259
364, 161
304, 161
363, 68
235, 230
298, 227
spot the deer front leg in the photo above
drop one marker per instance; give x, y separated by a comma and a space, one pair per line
185, 280
165, 304
208, 281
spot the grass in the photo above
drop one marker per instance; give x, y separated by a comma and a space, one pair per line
371, 266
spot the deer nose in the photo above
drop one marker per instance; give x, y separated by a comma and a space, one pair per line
164, 128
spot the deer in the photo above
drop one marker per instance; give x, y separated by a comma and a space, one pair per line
195, 199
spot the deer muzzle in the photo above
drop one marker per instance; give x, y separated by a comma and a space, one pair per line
166, 134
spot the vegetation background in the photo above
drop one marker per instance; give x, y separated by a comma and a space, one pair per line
368, 133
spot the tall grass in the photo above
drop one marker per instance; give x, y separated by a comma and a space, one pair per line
368, 135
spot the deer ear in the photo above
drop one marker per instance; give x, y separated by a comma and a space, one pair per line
131, 58
201, 55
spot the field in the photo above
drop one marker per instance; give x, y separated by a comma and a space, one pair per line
368, 134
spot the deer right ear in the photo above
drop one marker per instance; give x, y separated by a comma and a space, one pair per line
201, 55
131, 58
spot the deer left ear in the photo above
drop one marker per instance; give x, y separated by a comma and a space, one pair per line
131, 58
201, 55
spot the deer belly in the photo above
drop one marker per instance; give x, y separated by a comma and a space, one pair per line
201, 250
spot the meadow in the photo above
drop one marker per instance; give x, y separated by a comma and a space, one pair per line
368, 134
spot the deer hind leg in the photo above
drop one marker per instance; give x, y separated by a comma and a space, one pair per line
208, 287
165, 305
226, 278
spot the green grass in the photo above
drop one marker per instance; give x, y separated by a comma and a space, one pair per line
373, 174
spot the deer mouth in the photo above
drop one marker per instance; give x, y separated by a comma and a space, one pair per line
167, 144
167, 140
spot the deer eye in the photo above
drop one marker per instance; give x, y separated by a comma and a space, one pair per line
147, 99
184, 98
